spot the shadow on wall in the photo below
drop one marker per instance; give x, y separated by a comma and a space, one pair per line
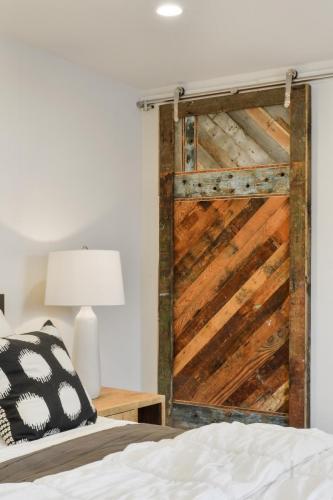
62, 317
23, 265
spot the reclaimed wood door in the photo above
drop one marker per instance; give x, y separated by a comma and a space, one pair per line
234, 259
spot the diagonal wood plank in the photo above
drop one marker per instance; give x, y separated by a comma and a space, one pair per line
253, 129
222, 267
242, 295
268, 339
211, 219
255, 260
216, 237
258, 389
235, 333
184, 211
249, 152
227, 289
271, 395
254, 233
270, 127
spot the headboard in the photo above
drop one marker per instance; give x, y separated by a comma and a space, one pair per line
2, 302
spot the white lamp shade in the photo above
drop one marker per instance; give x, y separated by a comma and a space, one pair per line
84, 278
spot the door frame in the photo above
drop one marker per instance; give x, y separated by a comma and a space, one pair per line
300, 238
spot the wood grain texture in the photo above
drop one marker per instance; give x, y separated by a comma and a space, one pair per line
189, 416
230, 358
260, 134
236, 247
125, 404
300, 255
190, 149
228, 103
241, 138
167, 157
233, 182
232, 263
130, 416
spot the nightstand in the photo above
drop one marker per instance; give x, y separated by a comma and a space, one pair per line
135, 406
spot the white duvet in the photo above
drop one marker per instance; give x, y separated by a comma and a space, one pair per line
219, 461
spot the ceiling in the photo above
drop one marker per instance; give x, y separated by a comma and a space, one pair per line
213, 38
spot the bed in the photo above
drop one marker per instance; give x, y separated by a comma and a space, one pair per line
219, 461
112, 459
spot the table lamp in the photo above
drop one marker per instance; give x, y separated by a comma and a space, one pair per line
85, 278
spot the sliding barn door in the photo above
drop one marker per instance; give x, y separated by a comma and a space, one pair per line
234, 259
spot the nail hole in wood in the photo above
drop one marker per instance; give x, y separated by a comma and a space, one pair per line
184, 181
282, 174
247, 185
230, 176
199, 185
266, 180
215, 188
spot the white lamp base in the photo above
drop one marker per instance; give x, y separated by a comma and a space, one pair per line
86, 351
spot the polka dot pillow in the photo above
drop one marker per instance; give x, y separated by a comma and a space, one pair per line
40, 392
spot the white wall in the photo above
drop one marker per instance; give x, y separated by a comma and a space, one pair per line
322, 256
69, 175
149, 249
322, 253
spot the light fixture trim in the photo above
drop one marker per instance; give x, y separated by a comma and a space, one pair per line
169, 10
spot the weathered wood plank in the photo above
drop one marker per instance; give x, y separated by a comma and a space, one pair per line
200, 254
179, 132
245, 119
276, 263
269, 218
259, 389
265, 385
227, 288
300, 219
280, 114
205, 161
190, 146
210, 217
214, 147
271, 128
233, 182
249, 152
167, 155
261, 346
257, 321
227, 103
233, 336
190, 416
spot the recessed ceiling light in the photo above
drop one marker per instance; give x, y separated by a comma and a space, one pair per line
169, 10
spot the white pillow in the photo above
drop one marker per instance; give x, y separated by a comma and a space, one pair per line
5, 328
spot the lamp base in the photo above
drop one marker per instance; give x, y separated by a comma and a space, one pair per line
86, 351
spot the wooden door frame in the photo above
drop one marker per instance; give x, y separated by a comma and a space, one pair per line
300, 235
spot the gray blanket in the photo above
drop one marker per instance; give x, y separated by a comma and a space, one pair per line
80, 451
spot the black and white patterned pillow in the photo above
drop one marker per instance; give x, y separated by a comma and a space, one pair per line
40, 392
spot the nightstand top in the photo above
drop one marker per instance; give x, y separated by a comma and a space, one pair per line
112, 401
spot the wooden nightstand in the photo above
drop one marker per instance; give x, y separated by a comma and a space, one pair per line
140, 407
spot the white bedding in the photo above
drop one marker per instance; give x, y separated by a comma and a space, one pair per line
219, 461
